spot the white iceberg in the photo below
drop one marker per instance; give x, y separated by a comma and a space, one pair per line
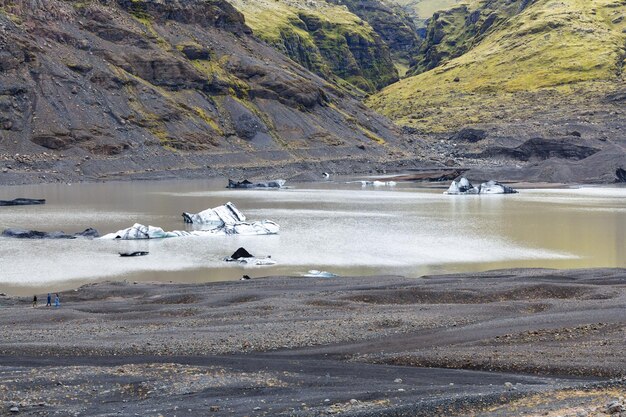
140, 231
464, 187
217, 216
494, 187
219, 221
378, 183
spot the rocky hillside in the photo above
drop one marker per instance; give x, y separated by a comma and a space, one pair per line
532, 79
549, 53
393, 24
103, 88
346, 41
453, 31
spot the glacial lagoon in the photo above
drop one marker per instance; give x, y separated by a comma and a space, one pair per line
339, 227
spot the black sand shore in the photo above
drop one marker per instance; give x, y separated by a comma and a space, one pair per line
541, 342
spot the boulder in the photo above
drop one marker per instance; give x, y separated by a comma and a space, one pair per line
469, 135
241, 253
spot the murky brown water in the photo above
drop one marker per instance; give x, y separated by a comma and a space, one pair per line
337, 227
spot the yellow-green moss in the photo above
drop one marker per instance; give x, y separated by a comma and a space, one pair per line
208, 120
215, 68
145, 20
553, 52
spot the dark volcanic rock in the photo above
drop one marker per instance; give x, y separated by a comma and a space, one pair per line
241, 253
469, 135
391, 22
248, 184
620, 175
34, 234
539, 148
152, 85
22, 202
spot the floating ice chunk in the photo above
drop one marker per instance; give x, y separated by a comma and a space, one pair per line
139, 231
377, 183
248, 184
314, 273
464, 187
494, 187
216, 217
263, 227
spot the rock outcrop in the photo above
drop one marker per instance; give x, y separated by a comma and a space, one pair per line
106, 88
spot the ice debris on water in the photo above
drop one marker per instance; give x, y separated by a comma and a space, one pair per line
219, 221
314, 273
464, 187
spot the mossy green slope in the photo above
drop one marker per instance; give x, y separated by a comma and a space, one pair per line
394, 25
454, 31
325, 38
552, 53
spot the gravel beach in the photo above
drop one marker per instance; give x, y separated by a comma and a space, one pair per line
467, 344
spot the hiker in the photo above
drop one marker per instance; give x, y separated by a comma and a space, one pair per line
57, 301
35, 301
49, 301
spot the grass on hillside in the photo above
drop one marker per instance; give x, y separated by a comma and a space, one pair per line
556, 50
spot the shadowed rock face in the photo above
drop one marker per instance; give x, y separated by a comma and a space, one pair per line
539, 149
129, 86
391, 22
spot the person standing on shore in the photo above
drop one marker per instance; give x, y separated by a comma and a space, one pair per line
49, 301
57, 301
35, 301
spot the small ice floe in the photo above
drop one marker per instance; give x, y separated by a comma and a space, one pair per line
314, 273
464, 187
249, 184
242, 256
377, 183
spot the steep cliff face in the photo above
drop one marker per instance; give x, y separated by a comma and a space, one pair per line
325, 38
393, 24
129, 86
